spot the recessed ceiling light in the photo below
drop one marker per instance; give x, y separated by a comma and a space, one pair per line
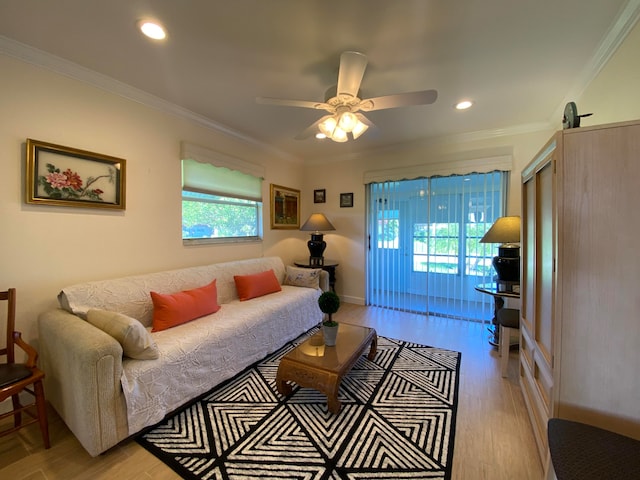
320, 135
464, 105
152, 29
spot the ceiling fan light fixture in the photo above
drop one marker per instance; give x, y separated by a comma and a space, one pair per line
343, 102
339, 135
328, 126
359, 129
348, 121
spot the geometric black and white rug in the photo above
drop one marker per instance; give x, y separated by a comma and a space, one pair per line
397, 422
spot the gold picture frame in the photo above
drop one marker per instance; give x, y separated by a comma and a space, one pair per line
285, 208
69, 177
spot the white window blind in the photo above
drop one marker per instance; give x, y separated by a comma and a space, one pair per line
207, 171
207, 178
424, 252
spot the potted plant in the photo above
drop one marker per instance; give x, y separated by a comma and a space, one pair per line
329, 304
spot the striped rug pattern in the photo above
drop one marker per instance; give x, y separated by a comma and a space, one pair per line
397, 421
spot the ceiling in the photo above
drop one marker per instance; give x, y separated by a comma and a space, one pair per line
519, 62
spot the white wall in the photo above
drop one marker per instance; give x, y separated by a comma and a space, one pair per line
44, 248
614, 95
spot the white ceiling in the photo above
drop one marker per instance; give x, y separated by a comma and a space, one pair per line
519, 61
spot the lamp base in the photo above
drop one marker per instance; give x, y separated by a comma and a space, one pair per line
509, 250
508, 269
507, 263
316, 261
316, 247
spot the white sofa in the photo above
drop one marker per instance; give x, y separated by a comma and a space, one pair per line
104, 396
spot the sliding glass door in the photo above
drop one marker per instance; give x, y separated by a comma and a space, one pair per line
424, 252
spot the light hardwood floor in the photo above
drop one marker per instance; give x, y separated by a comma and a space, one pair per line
493, 438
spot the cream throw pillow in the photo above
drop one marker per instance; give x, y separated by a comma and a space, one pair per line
303, 277
136, 341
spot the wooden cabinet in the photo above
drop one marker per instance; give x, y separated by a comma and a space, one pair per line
537, 291
580, 324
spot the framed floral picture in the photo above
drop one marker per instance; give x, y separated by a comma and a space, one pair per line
285, 208
319, 196
70, 177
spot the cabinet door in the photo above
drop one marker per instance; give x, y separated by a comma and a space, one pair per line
599, 262
537, 310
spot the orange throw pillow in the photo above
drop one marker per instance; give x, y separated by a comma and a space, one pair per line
178, 308
256, 285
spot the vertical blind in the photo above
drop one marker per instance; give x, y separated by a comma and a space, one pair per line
424, 253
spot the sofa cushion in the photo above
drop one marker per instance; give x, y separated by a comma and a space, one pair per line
256, 285
170, 310
302, 277
130, 333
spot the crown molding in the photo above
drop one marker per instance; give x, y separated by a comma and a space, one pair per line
72, 70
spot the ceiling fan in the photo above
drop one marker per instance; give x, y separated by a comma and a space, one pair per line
343, 104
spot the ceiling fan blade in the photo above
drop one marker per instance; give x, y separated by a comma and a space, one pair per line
293, 103
424, 97
352, 66
311, 130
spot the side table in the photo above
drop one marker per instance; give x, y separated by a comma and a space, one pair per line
498, 303
328, 266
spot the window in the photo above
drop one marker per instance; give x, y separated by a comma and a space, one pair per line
451, 243
214, 216
478, 256
388, 229
443, 243
219, 203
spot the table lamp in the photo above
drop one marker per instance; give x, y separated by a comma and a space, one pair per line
506, 231
316, 223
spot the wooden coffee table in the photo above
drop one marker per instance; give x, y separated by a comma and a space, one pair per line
314, 365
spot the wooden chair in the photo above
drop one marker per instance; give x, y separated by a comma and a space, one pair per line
16, 378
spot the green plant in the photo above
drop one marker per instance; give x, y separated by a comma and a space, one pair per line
329, 303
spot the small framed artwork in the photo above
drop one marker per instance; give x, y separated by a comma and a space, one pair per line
319, 196
285, 208
346, 200
70, 177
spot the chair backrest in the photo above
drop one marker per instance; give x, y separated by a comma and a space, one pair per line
10, 297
